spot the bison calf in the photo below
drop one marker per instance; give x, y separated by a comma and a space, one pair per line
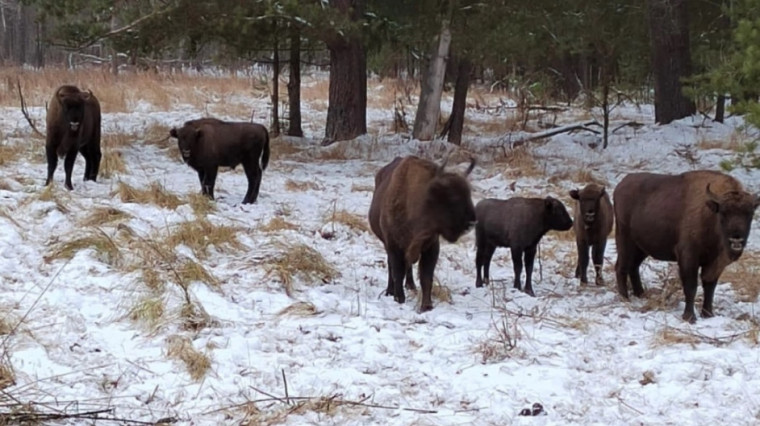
208, 143
593, 223
73, 125
415, 202
517, 223
700, 219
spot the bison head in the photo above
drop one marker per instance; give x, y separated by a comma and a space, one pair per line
588, 202
556, 215
735, 210
187, 139
72, 108
449, 201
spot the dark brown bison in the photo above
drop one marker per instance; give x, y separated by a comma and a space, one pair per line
73, 124
415, 201
700, 219
593, 223
518, 223
208, 143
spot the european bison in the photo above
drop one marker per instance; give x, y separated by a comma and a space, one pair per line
416, 201
73, 124
700, 219
208, 143
593, 223
517, 223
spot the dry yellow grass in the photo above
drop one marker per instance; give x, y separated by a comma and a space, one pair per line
300, 186
299, 259
277, 223
351, 220
7, 374
124, 92
200, 234
190, 271
196, 363
155, 194
301, 309
362, 188
104, 215
104, 246
10, 152
744, 276
520, 162
112, 164
667, 294
201, 204
148, 310
112, 140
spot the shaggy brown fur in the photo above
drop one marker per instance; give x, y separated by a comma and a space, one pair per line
415, 202
208, 143
700, 219
73, 124
593, 223
518, 223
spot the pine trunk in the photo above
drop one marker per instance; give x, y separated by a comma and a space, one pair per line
274, 128
429, 109
456, 120
671, 58
294, 83
347, 109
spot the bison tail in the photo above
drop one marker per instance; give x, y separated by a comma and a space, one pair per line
265, 153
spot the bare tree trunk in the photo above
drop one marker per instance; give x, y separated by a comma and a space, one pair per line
720, 108
294, 83
274, 128
112, 49
671, 58
456, 119
429, 108
347, 109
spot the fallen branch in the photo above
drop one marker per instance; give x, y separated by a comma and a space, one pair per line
25, 111
556, 131
20, 417
634, 124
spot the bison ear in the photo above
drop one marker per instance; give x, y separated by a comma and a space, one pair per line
86, 95
756, 204
173, 133
713, 205
602, 192
443, 165
574, 194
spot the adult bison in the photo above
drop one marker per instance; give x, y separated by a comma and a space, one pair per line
593, 223
416, 201
518, 223
700, 219
208, 143
73, 124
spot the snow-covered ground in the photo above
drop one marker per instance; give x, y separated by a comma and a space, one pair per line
83, 336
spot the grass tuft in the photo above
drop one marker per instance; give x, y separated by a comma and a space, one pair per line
302, 260
155, 194
300, 309
201, 204
104, 246
351, 220
112, 164
196, 363
278, 223
199, 235
104, 215
148, 310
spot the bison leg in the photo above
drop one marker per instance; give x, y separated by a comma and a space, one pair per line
209, 180
636, 285
517, 264
68, 167
582, 268
397, 268
428, 260
688, 273
597, 256
530, 256
253, 173
410, 279
488, 251
52, 160
92, 155
201, 178
622, 264
707, 304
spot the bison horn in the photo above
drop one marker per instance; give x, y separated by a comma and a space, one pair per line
472, 166
711, 195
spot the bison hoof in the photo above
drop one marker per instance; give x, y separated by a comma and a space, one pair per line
400, 299
690, 317
425, 308
599, 281
707, 314
529, 292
